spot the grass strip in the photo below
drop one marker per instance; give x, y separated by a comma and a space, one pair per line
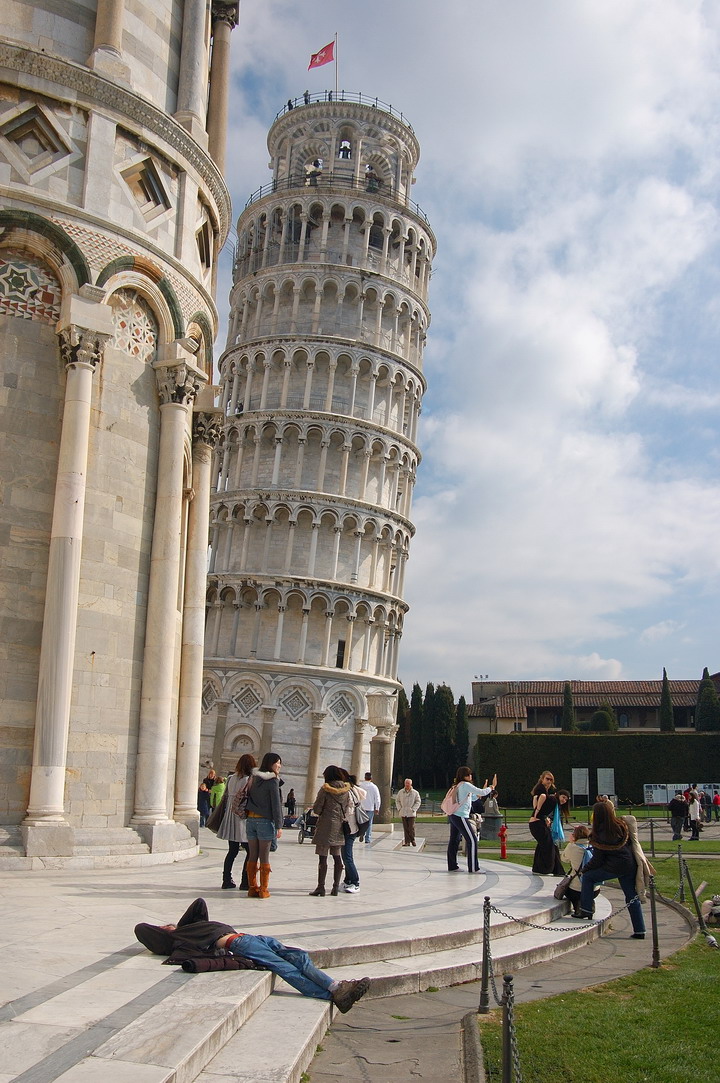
648, 1027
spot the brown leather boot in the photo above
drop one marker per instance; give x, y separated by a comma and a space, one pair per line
253, 889
263, 893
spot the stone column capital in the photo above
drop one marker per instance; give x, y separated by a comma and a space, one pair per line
81, 346
318, 717
223, 12
207, 428
178, 377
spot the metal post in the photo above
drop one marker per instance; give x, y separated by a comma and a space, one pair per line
652, 838
653, 920
682, 873
696, 904
484, 1005
507, 1007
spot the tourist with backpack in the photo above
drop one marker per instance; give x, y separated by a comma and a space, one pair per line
456, 805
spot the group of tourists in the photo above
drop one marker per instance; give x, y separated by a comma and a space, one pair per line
608, 850
689, 809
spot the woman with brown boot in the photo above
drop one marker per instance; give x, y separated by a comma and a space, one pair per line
331, 808
264, 822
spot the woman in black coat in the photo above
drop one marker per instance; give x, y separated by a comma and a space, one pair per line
546, 860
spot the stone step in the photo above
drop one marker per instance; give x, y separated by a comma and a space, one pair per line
226, 1026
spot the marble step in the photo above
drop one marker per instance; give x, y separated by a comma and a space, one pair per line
226, 1026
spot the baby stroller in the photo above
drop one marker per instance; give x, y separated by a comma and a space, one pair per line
306, 825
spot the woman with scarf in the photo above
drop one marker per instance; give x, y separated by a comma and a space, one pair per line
331, 808
546, 860
617, 854
264, 822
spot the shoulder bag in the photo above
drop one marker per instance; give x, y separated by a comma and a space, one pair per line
239, 805
449, 804
216, 816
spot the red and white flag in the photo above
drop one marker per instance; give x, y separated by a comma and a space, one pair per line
325, 56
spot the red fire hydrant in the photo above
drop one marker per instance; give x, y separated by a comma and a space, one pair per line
502, 835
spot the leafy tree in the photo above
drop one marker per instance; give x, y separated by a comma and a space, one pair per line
462, 737
445, 732
667, 716
569, 718
416, 731
707, 712
608, 708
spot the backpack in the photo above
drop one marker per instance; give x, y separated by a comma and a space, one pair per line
449, 804
239, 805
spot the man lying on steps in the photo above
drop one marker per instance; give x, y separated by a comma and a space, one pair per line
195, 938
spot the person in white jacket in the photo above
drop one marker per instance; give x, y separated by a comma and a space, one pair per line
407, 802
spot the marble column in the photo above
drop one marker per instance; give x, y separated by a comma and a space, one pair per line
219, 739
357, 748
266, 737
224, 20
313, 768
179, 380
106, 56
382, 710
45, 830
192, 80
206, 431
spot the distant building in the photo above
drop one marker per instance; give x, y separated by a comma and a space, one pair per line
536, 706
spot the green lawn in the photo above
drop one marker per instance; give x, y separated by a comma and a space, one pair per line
651, 1027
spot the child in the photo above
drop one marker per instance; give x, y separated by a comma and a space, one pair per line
577, 852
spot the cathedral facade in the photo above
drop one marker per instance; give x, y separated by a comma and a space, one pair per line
113, 209
315, 468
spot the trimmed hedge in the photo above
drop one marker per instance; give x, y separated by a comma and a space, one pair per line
519, 758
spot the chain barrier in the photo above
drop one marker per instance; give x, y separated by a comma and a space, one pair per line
565, 928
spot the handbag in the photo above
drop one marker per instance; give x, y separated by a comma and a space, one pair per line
448, 804
239, 805
562, 885
216, 816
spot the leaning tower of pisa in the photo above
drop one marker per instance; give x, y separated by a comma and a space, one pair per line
322, 386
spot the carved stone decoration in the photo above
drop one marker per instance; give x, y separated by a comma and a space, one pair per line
178, 383
225, 13
78, 346
207, 428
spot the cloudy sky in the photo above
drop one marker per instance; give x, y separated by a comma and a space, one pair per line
567, 508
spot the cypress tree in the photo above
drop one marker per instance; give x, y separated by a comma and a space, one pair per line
569, 718
462, 737
428, 766
707, 712
445, 730
416, 731
401, 759
667, 717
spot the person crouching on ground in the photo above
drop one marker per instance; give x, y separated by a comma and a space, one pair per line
616, 854
575, 854
195, 937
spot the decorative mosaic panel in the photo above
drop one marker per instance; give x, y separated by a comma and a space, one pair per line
28, 289
246, 700
209, 697
136, 329
295, 703
342, 707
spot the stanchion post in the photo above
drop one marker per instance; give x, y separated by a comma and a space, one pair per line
484, 1005
652, 838
653, 919
507, 1002
682, 873
696, 904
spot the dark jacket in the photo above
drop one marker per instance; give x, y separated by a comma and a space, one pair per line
613, 855
195, 936
331, 807
678, 807
264, 796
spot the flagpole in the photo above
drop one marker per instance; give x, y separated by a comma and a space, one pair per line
336, 66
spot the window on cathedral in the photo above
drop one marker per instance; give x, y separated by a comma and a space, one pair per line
340, 657
36, 138
144, 182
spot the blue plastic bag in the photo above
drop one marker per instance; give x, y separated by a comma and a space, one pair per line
556, 827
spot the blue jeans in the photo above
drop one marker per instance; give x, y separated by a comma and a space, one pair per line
351, 873
264, 830
592, 877
291, 964
368, 829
